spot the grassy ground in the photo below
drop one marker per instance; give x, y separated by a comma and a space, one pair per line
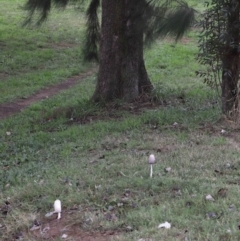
95, 160
30, 58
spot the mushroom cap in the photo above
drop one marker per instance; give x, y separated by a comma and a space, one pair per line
151, 159
57, 206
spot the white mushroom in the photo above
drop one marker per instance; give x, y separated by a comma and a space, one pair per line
151, 161
57, 208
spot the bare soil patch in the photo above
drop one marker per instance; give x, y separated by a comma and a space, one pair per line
8, 109
67, 228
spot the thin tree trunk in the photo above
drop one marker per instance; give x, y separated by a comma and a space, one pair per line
122, 73
229, 83
230, 61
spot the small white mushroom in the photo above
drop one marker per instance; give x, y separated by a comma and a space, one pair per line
151, 161
58, 208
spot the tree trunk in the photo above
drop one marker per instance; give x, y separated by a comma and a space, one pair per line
230, 83
230, 61
122, 73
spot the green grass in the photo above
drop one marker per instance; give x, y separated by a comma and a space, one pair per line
97, 161
33, 58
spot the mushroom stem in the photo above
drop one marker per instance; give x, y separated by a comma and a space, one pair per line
151, 170
59, 216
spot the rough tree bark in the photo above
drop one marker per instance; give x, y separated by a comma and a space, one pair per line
122, 73
230, 62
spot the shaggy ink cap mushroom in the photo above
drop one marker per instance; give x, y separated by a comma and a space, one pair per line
151, 161
58, 208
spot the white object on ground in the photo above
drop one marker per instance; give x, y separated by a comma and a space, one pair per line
45, 230
223, 131
209, 198
168, 169
49, 214
34, 227
151, 161
58, 208
166, 225
64, 236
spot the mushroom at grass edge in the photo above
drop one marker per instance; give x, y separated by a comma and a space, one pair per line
151, 161
57, 208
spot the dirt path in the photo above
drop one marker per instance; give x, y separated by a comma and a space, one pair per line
8, 109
